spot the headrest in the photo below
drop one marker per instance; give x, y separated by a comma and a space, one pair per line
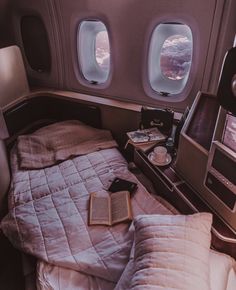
13, 80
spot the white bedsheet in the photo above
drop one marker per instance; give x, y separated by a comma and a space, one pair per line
51, 277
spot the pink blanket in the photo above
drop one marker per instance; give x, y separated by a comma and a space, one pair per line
48, 211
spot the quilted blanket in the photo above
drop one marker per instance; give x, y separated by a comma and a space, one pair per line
48, 211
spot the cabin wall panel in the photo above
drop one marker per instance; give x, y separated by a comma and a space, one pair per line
223, 42
6, 36
42, 9
130, 24
119, 121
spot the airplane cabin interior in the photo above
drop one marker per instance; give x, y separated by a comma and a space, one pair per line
117, 145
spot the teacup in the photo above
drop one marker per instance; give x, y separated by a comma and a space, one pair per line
159, 154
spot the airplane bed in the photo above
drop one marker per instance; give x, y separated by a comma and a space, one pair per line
48, 211
48, 215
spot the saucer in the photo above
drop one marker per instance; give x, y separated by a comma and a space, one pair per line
167, 161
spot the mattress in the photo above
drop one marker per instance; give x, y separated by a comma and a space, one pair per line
48, 219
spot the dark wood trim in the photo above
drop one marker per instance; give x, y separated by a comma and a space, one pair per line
39, 111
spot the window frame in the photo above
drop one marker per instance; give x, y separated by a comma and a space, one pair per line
90, 72
187, 82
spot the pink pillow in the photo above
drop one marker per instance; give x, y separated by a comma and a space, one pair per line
222, 274
171, 252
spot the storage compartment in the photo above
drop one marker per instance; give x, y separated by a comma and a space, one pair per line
221, 175
220, 190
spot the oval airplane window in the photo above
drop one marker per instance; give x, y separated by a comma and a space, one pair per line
102, 50
170, 58
93, 51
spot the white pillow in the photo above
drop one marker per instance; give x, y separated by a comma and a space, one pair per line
172, 252
222, 272
231, 285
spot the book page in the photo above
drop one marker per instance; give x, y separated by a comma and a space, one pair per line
120, 206
99, 211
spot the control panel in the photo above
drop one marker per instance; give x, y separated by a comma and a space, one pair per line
220, 176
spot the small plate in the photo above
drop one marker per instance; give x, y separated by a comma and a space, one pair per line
168, 160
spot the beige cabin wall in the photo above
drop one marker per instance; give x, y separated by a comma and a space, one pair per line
130, 25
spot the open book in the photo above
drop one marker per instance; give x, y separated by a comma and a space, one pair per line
110, 210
